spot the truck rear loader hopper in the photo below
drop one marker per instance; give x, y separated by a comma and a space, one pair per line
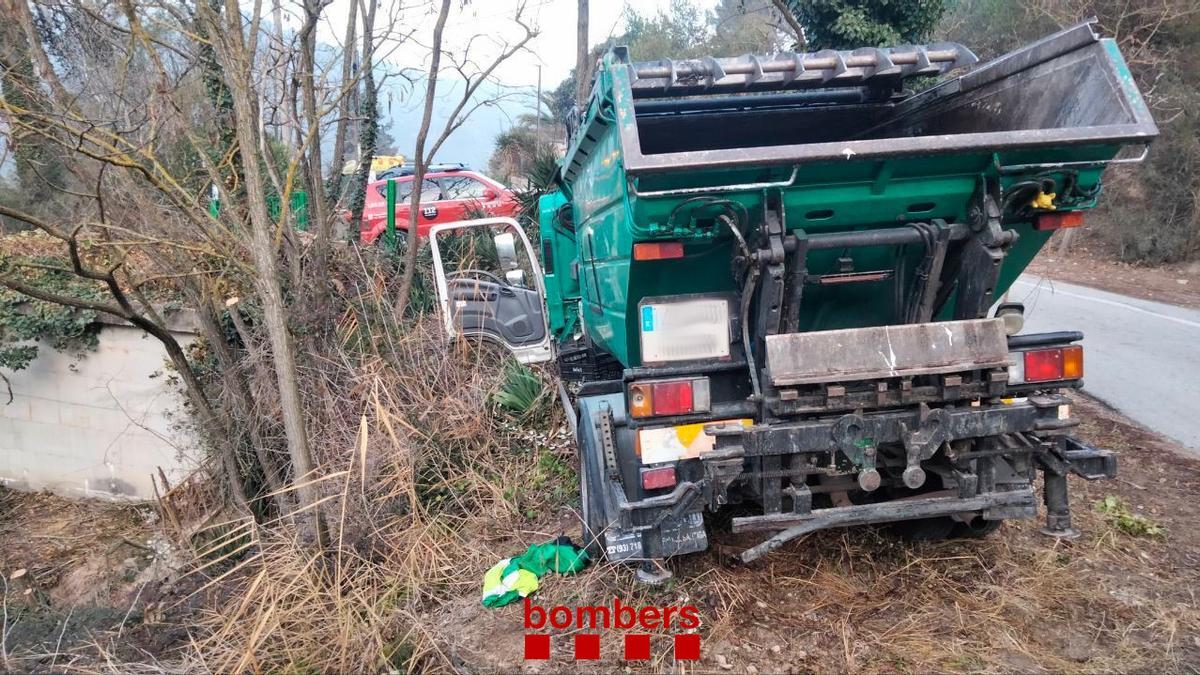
773, 277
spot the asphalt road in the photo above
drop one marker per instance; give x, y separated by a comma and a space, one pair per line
1141, 357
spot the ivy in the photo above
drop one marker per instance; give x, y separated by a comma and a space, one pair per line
25, 322
848, 24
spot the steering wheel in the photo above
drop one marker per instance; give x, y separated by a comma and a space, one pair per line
478, 273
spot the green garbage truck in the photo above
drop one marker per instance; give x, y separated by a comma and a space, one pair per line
777, 281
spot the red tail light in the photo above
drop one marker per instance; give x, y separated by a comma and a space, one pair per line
1043, 365
658, 250
661, 477
1047, 365
1059, 220
672, 397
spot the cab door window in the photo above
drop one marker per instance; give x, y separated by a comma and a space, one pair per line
403, 190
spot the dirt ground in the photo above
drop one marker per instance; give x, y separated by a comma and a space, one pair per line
97, 584
82, 580
1088, 265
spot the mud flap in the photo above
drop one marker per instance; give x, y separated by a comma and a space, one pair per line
675, 535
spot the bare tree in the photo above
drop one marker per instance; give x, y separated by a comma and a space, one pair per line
159, 101
236, 55
159, 116
349, 56
784, 11
368, 113
473, 77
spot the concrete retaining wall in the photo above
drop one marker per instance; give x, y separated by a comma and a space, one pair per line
98, 425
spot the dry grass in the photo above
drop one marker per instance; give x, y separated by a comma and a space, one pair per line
417, 471
427, 484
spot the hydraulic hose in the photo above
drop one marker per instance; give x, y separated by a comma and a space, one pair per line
747, 296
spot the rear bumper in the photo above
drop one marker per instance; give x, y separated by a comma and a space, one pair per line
887, 512
847, 432
834, 445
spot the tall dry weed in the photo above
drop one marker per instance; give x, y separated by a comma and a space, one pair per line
416, 469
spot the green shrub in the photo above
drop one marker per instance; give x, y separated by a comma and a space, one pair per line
521, 391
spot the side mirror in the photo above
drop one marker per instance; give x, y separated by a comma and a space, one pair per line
1013, 314
515, 277
490, 195
506, 251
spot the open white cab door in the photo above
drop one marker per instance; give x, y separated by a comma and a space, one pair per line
490, 287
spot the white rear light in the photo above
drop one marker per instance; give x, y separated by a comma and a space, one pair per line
685, 330
1016, 371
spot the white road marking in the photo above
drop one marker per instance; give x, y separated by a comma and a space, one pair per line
1113, 303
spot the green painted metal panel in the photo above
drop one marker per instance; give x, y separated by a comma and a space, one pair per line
608, 186
297, 211
559, 257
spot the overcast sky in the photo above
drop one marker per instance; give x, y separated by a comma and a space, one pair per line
553, 49
484, 26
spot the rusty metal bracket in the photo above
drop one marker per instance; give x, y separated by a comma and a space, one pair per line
604, 425
850, 436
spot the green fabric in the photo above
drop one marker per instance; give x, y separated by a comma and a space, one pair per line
505, 582
514, 578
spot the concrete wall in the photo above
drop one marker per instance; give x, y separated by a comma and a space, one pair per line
97, 425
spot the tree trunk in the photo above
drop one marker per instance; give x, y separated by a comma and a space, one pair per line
312, 115
369, 114
420, 161
334, 192
239, 390
237, 68
209, 418
284, 132
583, 69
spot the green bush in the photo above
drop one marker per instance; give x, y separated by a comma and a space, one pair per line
522, 390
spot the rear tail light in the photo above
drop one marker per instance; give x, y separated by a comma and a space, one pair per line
669, 397
1072, 362
658, 478
1058, 221
658, 250
1043, 365
1047, 365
